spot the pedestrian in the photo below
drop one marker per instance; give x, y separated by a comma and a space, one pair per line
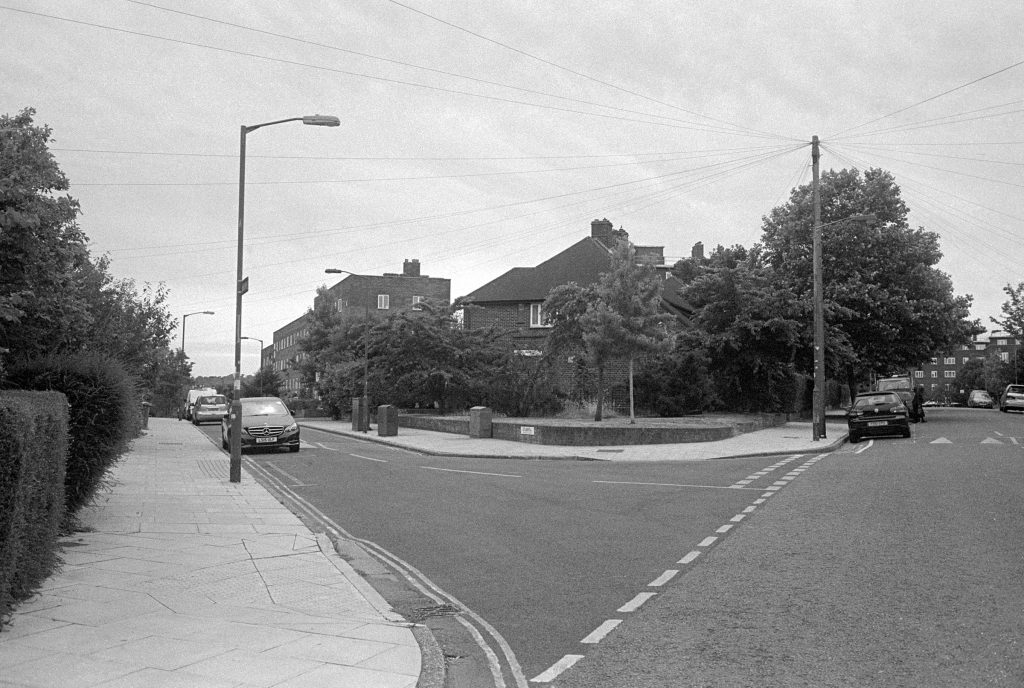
919, 403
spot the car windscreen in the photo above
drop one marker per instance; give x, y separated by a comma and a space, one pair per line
876, 400
266, 407
210, 401
1015, 389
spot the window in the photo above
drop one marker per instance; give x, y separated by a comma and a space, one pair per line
979, 347
918, 373
383, 302
949, 360
416, 301
934, 361
935, 373
949, 373
1001, 342
537, 316
965, 359
1004, 356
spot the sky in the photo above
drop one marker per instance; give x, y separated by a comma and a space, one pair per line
478, 136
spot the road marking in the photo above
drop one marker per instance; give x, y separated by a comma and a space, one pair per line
749, 509
324, 446
601, 631
296, 482
454, 470
724, 529
708, 541
663, 578
941, 440
636, 602
1014, 440
758, 501
864, 448
689, 557
369, 458
737, 518
556, 669
710, 487
991, 440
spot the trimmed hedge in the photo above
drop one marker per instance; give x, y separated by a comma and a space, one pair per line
33, 451
104, 414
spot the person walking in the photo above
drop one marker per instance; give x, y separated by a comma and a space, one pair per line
918, 406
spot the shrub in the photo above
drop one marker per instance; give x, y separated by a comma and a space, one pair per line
104, 414
675, 384
33, 451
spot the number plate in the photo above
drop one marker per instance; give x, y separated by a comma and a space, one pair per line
871, 424
271, 440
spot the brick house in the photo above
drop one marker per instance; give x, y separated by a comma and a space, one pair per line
514, 301
286, 355
385, 294
940, 376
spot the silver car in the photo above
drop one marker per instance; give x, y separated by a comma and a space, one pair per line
1012, 399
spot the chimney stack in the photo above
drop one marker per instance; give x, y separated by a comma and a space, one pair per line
601, 229
411, 268
698, 250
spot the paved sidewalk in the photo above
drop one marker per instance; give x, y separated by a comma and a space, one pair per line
185, 579
791, 438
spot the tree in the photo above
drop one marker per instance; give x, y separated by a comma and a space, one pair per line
886, 304
265, 382
619, 316
1013, 311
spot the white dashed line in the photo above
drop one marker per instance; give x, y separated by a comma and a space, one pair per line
689, 557
598, 634
708, 541
636, 602
737, 518
454, 470
556, 669
749, 509
712, 487
369, 458
724, 529
663, 578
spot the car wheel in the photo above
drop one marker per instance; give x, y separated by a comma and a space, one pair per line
906, 432
854, 438
293, 449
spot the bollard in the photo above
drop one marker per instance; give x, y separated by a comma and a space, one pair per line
480, 422
145, 415
387, 420
360, 414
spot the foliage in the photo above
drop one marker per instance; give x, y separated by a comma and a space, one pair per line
886, 304
619, 316
265, 382
676, 383
104, 413
33, 442
172, 372
1013, 311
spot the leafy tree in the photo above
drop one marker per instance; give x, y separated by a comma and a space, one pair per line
886, 304
265, 382
1013, 311
619, 316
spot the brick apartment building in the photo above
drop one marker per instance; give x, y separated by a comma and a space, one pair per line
940, 376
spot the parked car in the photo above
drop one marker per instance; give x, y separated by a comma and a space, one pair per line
931, 403
878, 414
1012, 398
209, 408
185, 410
266, 424
901, 385
979, 398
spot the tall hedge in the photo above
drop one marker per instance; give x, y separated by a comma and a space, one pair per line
104, 414
33, 451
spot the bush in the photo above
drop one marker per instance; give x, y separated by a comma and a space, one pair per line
104, 414
33, 451
676, 384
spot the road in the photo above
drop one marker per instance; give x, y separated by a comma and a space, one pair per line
874, 565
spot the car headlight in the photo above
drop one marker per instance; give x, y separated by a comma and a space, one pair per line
294, 427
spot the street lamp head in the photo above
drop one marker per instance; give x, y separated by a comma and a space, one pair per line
208, 313
321, 121
336, 271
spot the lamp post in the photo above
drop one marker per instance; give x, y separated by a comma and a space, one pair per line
364, 404
241, 286
257, 339
183, 325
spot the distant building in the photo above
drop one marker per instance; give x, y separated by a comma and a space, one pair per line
940, 376
286, 355
388, 293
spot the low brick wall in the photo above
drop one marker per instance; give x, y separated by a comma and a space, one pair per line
589, 434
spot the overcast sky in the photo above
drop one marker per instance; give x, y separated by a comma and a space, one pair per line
478, 136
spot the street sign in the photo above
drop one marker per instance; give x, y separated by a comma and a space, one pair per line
243, 286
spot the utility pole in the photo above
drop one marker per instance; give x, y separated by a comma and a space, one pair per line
818, 397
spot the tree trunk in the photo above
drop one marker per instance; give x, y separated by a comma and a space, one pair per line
632, 415
600, 393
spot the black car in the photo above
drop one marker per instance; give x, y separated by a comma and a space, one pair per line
878, 414
266, 424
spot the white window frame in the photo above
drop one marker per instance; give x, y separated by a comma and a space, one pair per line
537, 318
383, 302
918, 373
935, 373
949, 360
416, 301
949, 374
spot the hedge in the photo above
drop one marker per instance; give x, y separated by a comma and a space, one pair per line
33, 451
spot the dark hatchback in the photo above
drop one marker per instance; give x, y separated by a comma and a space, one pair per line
878, 414
266, 424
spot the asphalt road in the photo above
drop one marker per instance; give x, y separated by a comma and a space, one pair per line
548, 552
899, 563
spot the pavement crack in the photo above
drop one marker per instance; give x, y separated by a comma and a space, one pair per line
260, 573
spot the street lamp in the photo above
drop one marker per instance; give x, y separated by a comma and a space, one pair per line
364, 404
183, 325
257, 339
241, 286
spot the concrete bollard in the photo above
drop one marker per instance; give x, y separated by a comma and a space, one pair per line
480, 422
387, 420
145, 415
360, 414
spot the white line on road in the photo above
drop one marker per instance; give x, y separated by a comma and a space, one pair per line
708, 541
710, 487
663, 578
690, 556
369, 458
865, 447
455, 470
737, 518
601, 631
324, 446
555, 670
636, 602
724, 529
749, 509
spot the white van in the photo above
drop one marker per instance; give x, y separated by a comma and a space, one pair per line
185, 412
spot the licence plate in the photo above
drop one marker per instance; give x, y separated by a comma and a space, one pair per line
871, 424
266, 440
